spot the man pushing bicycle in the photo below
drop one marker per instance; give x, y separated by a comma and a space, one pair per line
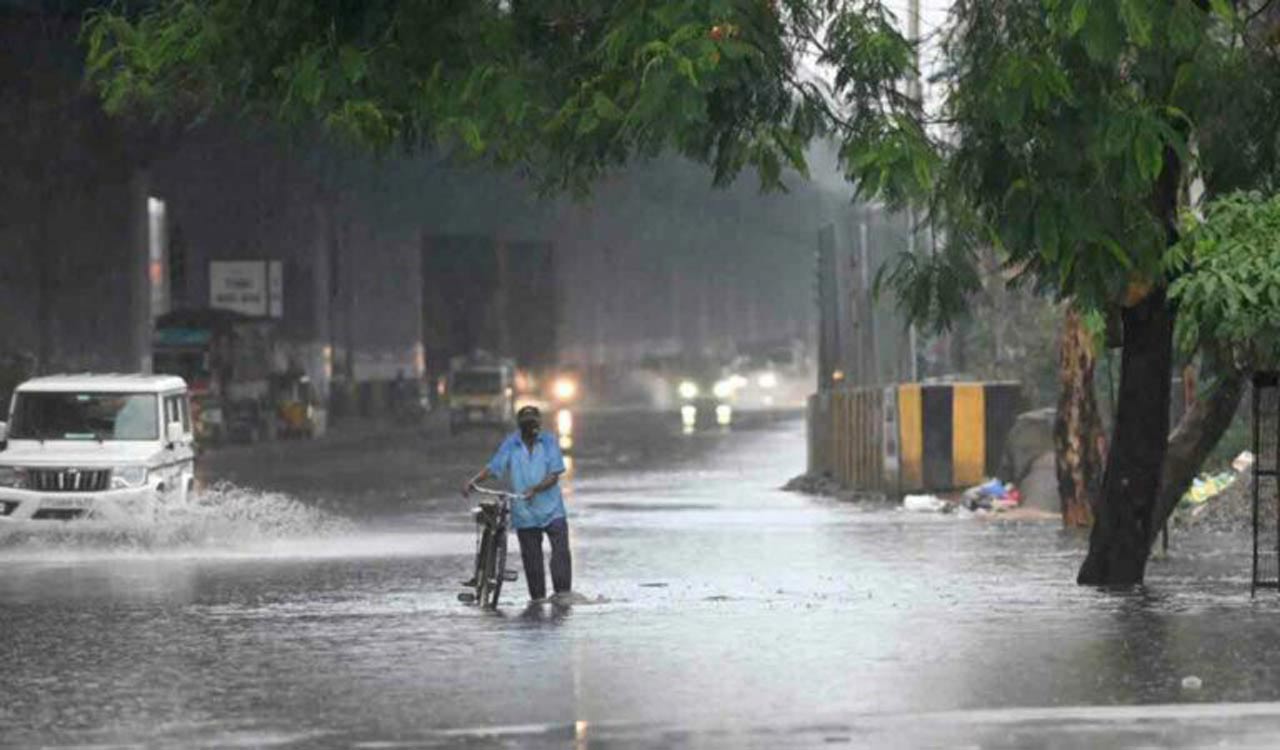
531, 462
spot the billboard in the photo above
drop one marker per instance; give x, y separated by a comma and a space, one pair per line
249, 287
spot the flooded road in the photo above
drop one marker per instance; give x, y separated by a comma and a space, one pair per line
724, 613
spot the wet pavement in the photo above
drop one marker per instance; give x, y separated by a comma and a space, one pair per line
723, 613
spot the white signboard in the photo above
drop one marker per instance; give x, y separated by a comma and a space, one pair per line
249, 287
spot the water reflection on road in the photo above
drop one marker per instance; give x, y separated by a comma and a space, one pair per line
731, 614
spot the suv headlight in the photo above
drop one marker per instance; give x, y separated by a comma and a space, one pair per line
128, 477
11, 477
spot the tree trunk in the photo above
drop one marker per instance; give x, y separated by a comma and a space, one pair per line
1199, 430
1125, 525
1079, 442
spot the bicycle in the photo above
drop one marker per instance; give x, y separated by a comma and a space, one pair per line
492, 518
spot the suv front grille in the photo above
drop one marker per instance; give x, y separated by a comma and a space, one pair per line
69, 480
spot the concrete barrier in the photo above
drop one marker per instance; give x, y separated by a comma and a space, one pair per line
911, 437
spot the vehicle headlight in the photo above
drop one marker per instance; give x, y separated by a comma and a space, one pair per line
128, 477
688, 389
565, 389
11, 477
723, 389
767, 380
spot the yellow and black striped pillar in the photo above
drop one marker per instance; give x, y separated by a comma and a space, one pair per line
952, 435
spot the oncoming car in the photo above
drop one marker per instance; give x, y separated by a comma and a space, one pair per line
705, 396
108, 447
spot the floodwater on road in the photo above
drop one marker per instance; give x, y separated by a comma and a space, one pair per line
724, 612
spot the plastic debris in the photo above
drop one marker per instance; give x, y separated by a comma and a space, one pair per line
925, 504
1243, 462
1206, 487
992, 487
1191, 682
992, 494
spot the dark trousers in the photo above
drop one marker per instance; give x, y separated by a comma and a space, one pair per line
561, 561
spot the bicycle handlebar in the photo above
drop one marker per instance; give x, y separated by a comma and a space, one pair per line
496, 493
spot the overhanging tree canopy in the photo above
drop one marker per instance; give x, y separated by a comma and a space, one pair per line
565, 88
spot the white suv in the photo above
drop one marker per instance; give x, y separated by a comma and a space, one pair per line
96, 446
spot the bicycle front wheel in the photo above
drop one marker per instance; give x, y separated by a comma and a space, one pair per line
497, 571
484, 558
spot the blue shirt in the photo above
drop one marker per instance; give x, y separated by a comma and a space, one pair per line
523, 469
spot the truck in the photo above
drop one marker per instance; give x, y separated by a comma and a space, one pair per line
227, 360
480, 391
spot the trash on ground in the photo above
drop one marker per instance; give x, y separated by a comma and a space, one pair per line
1243, 462
926, 504
1191, 682
1219, 502
1208, 486
992, 494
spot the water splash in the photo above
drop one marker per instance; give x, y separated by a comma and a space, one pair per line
223, 516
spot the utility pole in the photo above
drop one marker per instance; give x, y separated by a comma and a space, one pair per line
913, 31
826, 289
915, 93
871, 334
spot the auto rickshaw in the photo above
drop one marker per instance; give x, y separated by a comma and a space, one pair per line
298, 411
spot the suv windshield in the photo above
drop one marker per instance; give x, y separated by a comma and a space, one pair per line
85, 416
477, 382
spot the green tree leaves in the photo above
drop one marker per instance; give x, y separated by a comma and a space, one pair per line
1079, 14
1136, 15
1068, 116
1227, 284
566, 89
